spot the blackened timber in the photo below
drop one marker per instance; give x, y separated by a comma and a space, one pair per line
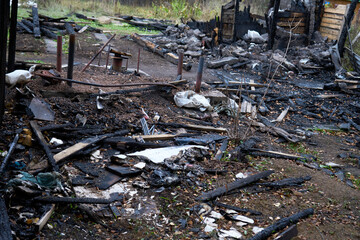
76, 200
11, 150
4, 11
48, 33
347, 24
273, 25
36, 22
221, 150
243, 210
12, 36
26, 28
69, 28
287, 182
232, 186
282, 223
44, 145
5, 230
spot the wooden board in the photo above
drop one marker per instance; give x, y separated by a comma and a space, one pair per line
340, 9
333, 16
292, 24
329, 25
333, 21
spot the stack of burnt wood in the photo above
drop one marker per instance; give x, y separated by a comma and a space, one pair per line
41, 25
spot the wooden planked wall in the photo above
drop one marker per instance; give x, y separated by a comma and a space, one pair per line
333, 21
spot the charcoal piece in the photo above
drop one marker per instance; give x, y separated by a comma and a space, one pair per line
88, 168
106, 180
123, 171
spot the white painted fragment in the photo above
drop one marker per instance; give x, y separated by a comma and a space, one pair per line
216, 215
158, 155
243, 219
140, 165
231, 233
256, 230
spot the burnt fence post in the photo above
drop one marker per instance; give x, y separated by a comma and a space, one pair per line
4, 16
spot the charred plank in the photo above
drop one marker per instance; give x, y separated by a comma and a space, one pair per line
232, 186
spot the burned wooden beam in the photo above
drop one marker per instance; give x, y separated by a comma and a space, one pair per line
287, 182
36, 22
48, 33
7, 157
36, 129
232, 186
26, 28
69, 200
69, 28
282, 223
243, 210
5, 229
273, 24
12, 36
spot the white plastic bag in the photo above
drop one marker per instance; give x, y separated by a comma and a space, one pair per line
190, 99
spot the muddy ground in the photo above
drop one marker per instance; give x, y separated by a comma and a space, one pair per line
336, 204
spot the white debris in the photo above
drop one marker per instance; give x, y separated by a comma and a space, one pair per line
241, 224
256, 230
209, 220
230, 233
158, 155
333, 165
19, 76
216, 215
96, 155
210, 228
120, 156
277, 204
190, 99
3, 154
140, 165
56, 142
241, 175
229, 211
243, 219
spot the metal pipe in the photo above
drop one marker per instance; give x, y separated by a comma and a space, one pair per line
4, 16
71, 58
138, 63
59, 54
107, 58
12, 37
199, 75
180, 63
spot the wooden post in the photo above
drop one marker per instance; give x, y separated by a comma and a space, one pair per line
12, 37
36, 22
236, 19
318, 15
273, 24
4, 16
347, 25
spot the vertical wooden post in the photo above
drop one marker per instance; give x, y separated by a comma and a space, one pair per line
273, 25
4, 16
347, 25
12, 37
236, 19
